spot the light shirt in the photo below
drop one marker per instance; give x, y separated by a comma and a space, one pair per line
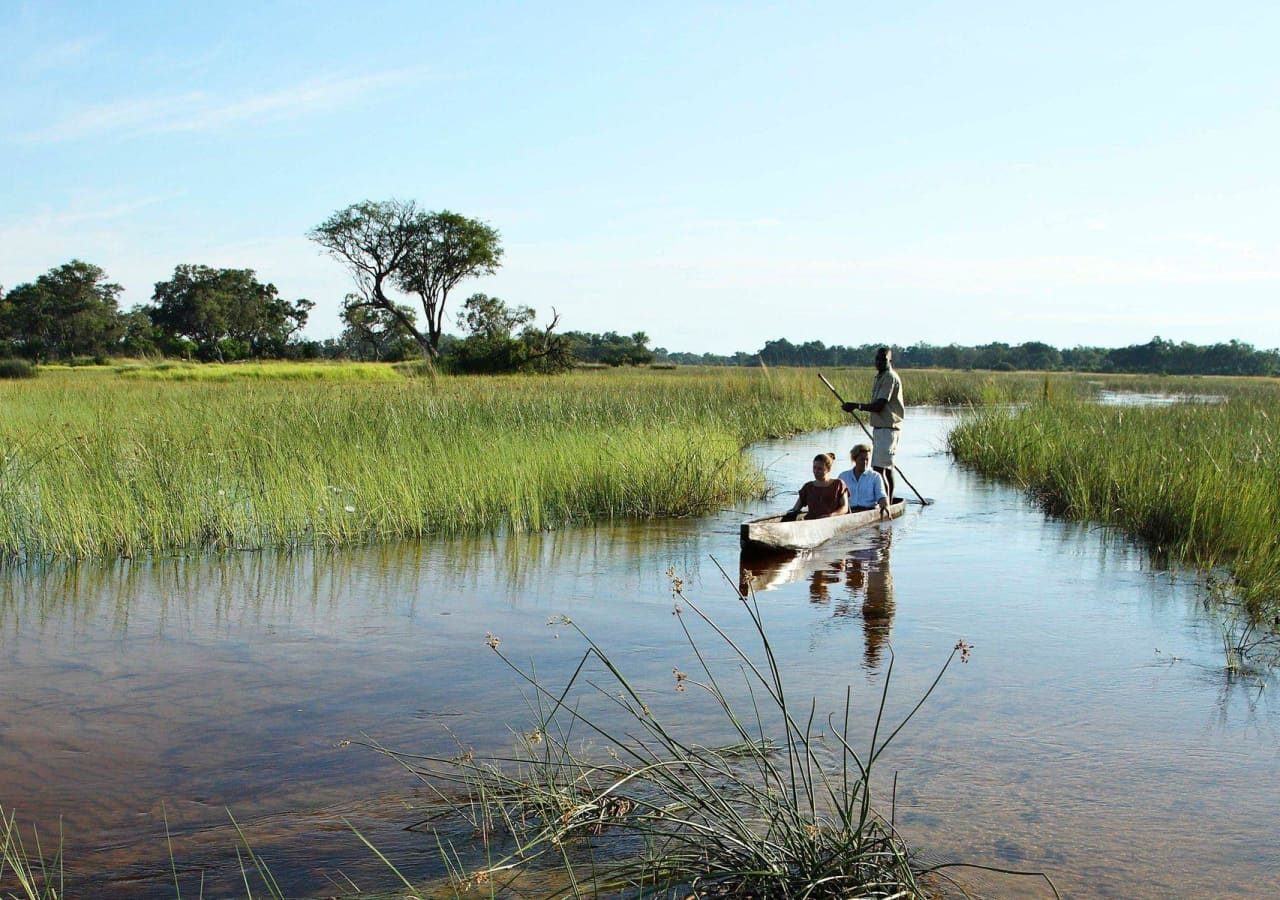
865, 491
887, 386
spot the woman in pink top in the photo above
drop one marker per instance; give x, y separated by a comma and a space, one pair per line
824, 496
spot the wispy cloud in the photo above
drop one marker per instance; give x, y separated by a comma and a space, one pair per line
204, 111
58, 55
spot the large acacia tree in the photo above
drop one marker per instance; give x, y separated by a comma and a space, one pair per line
393, 244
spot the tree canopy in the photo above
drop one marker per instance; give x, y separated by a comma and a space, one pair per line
226, 314
71, 310
391, 243
491, 346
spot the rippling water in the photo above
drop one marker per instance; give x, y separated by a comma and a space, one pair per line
1094, 735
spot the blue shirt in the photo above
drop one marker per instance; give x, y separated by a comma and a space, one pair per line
866, 491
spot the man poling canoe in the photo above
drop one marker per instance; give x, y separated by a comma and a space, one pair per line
884, 408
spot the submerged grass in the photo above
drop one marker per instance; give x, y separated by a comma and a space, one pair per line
624, 804
1196, 480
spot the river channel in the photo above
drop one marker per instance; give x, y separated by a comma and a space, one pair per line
1095, 734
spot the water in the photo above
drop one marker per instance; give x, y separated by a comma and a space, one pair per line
1094, 734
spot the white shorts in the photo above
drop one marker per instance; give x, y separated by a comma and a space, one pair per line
884, 444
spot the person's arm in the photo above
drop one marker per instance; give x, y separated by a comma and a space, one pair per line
790, 515
843, 494
882, 498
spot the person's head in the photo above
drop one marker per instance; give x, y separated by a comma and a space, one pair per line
884, 359
822, 464
861, 456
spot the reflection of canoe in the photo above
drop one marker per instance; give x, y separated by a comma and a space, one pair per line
771, 533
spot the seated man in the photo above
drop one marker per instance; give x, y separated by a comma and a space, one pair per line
866, 486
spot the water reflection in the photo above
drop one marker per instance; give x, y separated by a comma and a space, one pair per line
181, 688
855, 582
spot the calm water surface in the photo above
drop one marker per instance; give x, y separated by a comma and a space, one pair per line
1094, 735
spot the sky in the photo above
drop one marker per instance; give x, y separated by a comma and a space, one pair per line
715, 175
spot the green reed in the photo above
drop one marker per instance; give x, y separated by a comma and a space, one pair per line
103, 462
97, 465
1196, 480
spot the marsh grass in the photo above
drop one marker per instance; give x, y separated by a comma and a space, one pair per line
36, 877
601, 789
1196, 481
171, 457
175, 457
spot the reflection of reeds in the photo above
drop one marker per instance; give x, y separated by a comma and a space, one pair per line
1197, 481
783, 810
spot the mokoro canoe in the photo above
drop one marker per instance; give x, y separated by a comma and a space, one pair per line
773, 534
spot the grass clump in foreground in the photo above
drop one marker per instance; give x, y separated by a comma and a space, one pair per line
783, 810
1197, 481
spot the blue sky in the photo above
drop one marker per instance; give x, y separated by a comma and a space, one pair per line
716, 175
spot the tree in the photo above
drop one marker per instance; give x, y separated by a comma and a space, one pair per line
610, 348
226, 313
392, 243
69, 311
450, 248
489, 318
375, 334
490, 347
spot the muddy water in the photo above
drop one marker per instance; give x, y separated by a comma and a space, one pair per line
1093, 735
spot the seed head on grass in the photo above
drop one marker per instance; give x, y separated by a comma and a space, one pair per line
621, 802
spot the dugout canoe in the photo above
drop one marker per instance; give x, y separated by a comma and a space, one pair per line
771, 534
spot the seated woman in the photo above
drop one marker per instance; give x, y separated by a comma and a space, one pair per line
824, 496
865, 484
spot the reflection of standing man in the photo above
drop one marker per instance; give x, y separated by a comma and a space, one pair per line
886, 413
867, 572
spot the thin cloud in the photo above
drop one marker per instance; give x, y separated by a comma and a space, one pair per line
201, 111
58, 55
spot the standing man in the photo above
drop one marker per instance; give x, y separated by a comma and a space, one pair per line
886, 411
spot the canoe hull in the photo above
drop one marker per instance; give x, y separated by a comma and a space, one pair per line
771, 534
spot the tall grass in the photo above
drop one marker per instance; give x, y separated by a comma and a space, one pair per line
1197, 481
94, 466
100, 463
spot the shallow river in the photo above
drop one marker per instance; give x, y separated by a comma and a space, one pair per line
1094, 735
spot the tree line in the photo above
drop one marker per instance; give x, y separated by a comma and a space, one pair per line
405, 263
1157, 356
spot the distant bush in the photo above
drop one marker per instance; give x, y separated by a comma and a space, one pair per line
16, 368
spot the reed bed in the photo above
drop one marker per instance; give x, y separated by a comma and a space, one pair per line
95, 465
141, 459
1196, 480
